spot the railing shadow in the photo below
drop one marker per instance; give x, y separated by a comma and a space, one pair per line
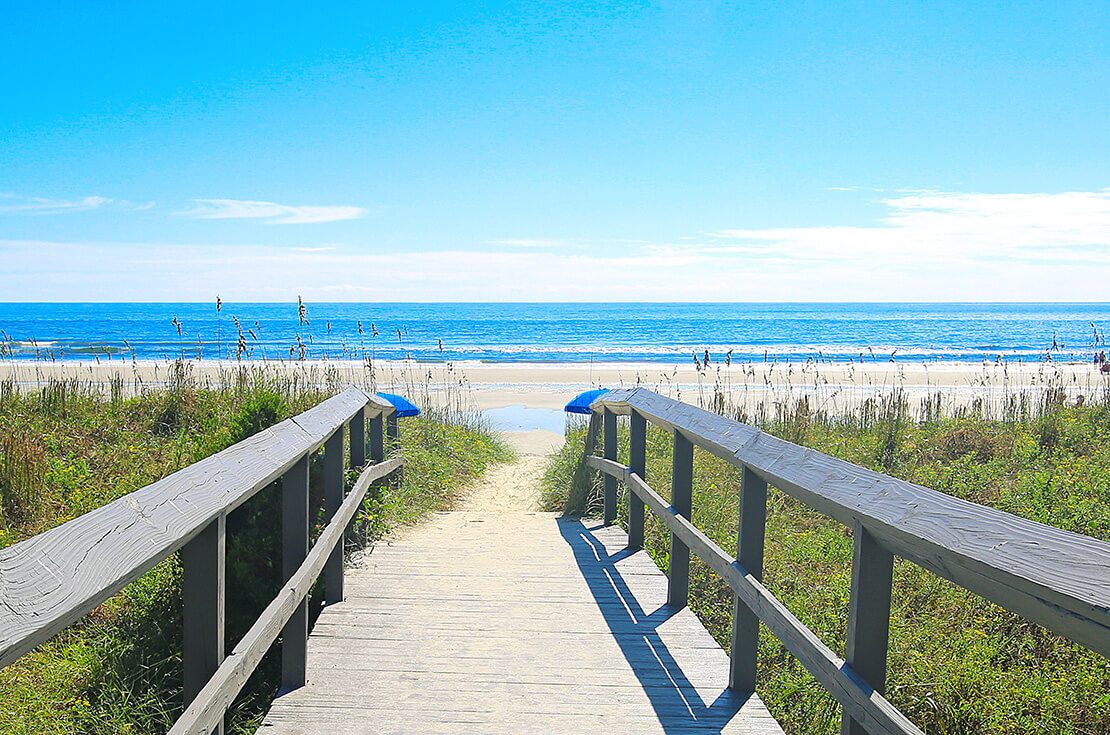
675, 700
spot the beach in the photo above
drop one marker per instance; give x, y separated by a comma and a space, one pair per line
498, 387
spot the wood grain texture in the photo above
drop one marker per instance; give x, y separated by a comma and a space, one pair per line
208, 708
682, 497
333, 499
637, 461
294, 550
1053, 577
868, 616
855, 695
512, 623
752, 531
53, 579
203, 592
609, 448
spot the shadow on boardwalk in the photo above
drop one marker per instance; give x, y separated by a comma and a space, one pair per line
676, 701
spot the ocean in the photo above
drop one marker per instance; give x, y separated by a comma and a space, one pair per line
530, 332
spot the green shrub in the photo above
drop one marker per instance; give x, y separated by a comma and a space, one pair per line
260, 410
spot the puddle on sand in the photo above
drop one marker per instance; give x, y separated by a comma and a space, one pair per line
523, 418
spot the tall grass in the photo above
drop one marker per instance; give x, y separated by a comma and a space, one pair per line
69, 446
957, 663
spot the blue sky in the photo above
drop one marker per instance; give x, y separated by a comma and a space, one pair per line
551, 151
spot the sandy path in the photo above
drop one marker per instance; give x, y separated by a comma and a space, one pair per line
497, 619
514, 487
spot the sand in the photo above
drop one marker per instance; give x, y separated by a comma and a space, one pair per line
549, 386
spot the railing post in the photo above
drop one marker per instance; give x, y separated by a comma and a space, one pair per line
637, 463
392, 432
868, 616
358, 439
749, 552
333, 498
203, 590
377, 442
294, 549
610, 431
682, 489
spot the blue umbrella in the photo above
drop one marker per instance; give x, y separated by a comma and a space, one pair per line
404, 406
581, 402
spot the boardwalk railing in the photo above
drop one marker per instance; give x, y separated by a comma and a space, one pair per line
1058, 579
52, 580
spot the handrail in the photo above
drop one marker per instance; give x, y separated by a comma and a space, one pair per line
1053, 577
207, 710
52, 580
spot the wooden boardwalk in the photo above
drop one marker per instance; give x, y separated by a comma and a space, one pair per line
495, 619
515, 623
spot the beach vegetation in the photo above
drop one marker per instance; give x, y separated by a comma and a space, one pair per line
957, 663
68, 447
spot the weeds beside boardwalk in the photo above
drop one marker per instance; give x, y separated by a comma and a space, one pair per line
69, 448
957, 664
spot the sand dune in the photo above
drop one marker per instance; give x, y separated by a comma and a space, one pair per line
550, 385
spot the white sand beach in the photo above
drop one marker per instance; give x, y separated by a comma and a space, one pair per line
548, 386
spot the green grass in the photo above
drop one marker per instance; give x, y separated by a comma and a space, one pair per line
957, 663
68, 450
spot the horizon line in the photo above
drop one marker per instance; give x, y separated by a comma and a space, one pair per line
685, 302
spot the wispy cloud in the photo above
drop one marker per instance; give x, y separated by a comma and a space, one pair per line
926, 246
527, 243
945, 229
271, 212
12, 204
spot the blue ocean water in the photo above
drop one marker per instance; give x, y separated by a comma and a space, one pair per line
664, 333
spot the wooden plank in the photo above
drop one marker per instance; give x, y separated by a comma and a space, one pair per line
682, 489
55, 578
377, 439
333, 498
424, 643
868, 616
392, 432
1053, 577
749, 553
294, 549
203, 592
220, 691
357, 440
637, 463
609, 421
855, 695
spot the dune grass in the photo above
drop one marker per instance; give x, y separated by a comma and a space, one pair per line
69, 448
957, 663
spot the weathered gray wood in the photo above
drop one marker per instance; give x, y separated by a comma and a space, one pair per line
749, 553
392, 432
682, 489
377, 439
1053, 577
294, 549
357, 438
609, 420
637, 463
333, 498
220, 691
838, 678
868, 616
53, 579
423, 644
203, 596
582, 482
